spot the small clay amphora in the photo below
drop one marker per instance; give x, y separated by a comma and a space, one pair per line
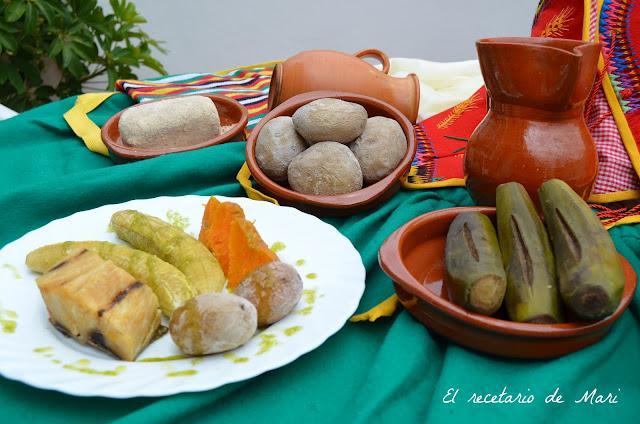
320, 70
534, 130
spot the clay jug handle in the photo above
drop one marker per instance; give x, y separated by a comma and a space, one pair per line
376, 54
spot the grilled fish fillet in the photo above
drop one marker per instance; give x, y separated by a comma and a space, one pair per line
99, 304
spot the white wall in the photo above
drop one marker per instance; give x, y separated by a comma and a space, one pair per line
204, 36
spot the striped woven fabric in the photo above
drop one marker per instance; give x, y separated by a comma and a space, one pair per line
249, 86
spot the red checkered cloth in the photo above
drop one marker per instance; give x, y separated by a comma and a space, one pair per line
615, 171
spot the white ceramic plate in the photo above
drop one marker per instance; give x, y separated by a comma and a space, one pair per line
33, 352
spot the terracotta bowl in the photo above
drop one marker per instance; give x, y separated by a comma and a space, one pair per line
230, 111
413, 256
343, 204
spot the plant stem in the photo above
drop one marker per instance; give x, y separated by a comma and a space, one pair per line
95, 73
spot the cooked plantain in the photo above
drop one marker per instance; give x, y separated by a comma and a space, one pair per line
167, 282
173, 245
473, 267
590, 276
532, 292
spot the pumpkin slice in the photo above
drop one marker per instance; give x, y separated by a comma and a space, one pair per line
247, 251
214, 232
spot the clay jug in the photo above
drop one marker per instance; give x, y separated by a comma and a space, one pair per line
534, 130
315, 70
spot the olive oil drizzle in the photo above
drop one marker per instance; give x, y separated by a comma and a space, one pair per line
292, 330
183, 373
164, 359
81, 366
14, 271
235, 358
8, 321
278, 247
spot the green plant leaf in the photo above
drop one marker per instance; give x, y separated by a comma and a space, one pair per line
77, 27
29, 70
101, 26
150, 62
120, 53
30, 18
67, 55
76, 67
86, 41
45, 9
82, 37
157, 45
138, 20
115, 5
16, 80
83, 51
15, 10
112, 77
56, 47
9, 42
85, 7
8, 28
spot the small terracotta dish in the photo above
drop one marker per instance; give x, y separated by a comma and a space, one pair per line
342, 204
413, 256
230, 111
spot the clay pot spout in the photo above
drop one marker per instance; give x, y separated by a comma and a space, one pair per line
547, 73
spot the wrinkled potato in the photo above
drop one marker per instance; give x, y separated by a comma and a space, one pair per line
277, 144
330, 120
274, 289
326, 168
380, 148
213, 322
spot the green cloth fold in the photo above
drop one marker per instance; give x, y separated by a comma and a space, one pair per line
393, 370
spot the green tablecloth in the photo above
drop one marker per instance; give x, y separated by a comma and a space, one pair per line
391, 370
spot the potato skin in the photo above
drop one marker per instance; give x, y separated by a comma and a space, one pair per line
274, 289
326, 168
277, 144
330, 120
213, 322
380, 148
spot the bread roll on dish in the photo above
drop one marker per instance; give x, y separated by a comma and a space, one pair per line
175, 122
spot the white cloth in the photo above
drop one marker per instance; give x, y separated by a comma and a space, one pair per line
6, 113
442, 84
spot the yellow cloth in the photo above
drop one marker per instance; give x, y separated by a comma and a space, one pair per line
384, 309
243, 178
82, 126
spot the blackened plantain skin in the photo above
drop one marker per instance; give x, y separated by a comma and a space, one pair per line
590, 276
